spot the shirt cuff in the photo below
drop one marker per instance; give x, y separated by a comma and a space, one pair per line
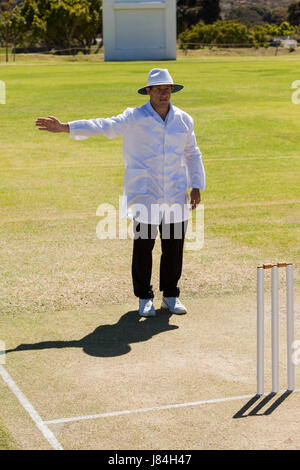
74, 133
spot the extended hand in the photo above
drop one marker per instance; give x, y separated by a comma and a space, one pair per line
195, 198
51, 124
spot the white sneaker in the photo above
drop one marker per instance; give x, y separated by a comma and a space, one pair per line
146, 308
173, 304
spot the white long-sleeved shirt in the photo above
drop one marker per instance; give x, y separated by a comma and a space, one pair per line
161, 160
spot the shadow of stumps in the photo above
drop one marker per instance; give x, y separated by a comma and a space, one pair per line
264, 400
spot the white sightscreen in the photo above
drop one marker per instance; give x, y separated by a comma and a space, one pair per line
149, 29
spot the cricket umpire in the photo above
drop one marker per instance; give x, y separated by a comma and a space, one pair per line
162, 160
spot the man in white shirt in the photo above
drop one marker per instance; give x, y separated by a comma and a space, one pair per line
161, 160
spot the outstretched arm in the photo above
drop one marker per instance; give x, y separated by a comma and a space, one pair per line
51, 124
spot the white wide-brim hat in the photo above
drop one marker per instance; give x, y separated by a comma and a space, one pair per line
160, 77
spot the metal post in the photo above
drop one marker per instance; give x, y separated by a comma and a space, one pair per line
260, 331
275, 330
290, 325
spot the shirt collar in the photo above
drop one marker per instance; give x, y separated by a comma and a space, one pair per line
157, 116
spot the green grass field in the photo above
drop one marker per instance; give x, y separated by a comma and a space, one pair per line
247, 129
51, 261
6, 440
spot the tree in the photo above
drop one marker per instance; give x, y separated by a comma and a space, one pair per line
259, 35
294, 13
71, 23
249, 14
284, 29
264, 12
6, 26
220, 32
245, 15
279, 15
63, 20
92, 26
190, 12
30, 24
60, 24
210, 11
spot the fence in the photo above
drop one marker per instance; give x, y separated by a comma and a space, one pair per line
71, 51
201, 45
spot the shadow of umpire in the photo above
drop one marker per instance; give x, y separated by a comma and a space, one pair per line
110, 340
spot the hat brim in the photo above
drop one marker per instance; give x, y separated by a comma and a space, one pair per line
176, 88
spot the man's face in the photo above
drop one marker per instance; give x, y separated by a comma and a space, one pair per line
160, 94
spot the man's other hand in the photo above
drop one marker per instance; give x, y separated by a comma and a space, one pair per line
195, 197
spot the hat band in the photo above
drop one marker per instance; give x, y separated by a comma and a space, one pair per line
176, 88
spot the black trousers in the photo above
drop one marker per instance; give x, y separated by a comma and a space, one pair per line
172, 241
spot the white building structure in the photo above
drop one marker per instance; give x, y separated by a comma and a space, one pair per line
139, 30
291, 43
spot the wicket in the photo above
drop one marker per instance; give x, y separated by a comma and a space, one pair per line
275, 326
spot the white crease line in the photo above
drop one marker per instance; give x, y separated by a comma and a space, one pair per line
155, 408
41, 425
